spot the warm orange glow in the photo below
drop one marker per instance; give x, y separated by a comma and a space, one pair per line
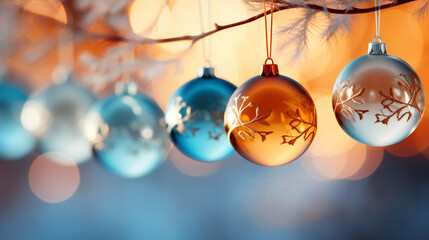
355, 160
48, 8
53, 182
426, 153
239, 52
400, 42
150, 18
331, 140
192, 167
339, 166
415, 143
374, 156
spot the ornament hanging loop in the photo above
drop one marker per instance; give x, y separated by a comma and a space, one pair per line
269, 59
377, 37
377, 48
270, 69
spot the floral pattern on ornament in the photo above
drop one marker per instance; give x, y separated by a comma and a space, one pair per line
179, 120
397, 107
304, 129
245, 131
341, 108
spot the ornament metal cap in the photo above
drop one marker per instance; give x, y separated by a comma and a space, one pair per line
206, 72
126, 88
270, 70
377, 48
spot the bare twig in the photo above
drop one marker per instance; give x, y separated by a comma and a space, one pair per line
218, 28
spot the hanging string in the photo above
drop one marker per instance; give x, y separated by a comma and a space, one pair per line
270, 47
377, 4
65, 53
207, 53
129, 60
6, 29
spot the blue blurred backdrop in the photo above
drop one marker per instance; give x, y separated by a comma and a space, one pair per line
239, 201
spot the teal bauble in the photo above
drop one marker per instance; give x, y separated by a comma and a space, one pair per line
55, 115
194, 117
15, 141
127, 132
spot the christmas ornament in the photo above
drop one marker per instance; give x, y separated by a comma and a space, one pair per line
55, 116
270, 119
194, 117
15, 141
127, 132
378, 99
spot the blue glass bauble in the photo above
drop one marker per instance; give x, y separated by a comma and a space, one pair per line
194, 117
15, 141
378, 99
127, 132
55, 115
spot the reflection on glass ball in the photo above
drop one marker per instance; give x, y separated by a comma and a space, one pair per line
378, 99
194, 117
15, 141
55, 116
271, 119
127, 132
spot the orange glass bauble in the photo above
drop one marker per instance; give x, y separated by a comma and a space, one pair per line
270, 119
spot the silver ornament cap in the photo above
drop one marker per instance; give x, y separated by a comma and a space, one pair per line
377, 48
206, 72
126, 88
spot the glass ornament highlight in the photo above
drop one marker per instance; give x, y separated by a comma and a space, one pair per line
15, 141
55, 115
378, 99
127, 132
195, 114
271, 119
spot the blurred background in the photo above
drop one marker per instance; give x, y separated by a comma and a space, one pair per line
339, 189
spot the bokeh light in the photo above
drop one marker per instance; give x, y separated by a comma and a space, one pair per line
414, 144
48, 8
36, 117
330, 139
342, 165
51, 180
374, 157
426, 153
192, 167
315, 196
397, 42
149, 18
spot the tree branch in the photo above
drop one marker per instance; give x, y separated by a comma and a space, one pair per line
218, 28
